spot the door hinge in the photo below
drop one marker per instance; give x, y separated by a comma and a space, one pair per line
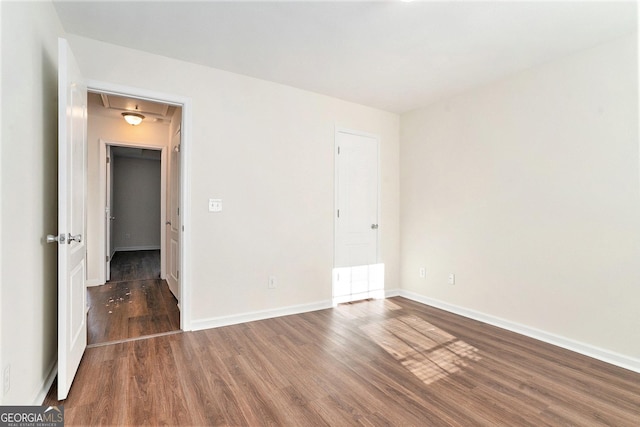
107, 258
178, 274
338, 151
178, 210
108, 159
338, 213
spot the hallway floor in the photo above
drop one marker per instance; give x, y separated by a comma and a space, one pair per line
135, 303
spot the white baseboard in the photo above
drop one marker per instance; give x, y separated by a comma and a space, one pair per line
604, 355
136, 248
388, 293
53, 371
216, 322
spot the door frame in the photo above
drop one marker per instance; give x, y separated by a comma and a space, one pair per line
163, 192
185, 179
339, 129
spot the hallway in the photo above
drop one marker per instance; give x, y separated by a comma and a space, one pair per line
134, 304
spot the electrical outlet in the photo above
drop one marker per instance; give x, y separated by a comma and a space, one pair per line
6, 379
423, 272
452, 279
272, 282
215, 205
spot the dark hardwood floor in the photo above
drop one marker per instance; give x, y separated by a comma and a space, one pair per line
132, 309
387, 362
135, 303
135, 265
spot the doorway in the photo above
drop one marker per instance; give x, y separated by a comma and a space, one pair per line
357, 272
134, 299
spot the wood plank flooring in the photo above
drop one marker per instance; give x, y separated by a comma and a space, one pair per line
131, 309
135, 303
387, 362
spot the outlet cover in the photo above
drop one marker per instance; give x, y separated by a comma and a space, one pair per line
215, 205
452, 279
423, 273
272, 282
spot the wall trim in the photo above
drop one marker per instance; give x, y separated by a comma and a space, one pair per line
42, 394
626, 362
389, 293
216, 322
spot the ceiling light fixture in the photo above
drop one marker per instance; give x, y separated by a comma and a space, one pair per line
134, 119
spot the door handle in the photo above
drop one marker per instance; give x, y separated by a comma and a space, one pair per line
53, 239
112, 218
76, 238
374, 226
168, 223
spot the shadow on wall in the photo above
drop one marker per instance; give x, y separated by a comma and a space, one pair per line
49, 170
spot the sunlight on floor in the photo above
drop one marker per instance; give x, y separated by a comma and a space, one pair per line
362, 309
425, 350
358, 283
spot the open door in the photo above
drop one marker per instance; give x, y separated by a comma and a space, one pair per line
173, 276
109, 213
72, 167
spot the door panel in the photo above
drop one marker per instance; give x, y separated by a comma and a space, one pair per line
72, 138
357, 199
357, 273
109, 213
173, 278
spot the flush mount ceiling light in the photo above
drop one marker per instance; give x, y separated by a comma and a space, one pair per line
134, 119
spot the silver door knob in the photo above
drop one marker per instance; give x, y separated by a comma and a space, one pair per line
374, 226
53, 239
76, 238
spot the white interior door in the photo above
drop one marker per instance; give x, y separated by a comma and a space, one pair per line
109, 217
72, 137
173, 278
357, 200
357, 273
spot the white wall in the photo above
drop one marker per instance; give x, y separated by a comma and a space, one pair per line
527, 189
267, 151
28, 337
113, 130
136, 203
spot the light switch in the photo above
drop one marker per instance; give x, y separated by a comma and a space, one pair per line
215, 205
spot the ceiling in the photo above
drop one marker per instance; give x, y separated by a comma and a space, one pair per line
113, 106
391, 55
